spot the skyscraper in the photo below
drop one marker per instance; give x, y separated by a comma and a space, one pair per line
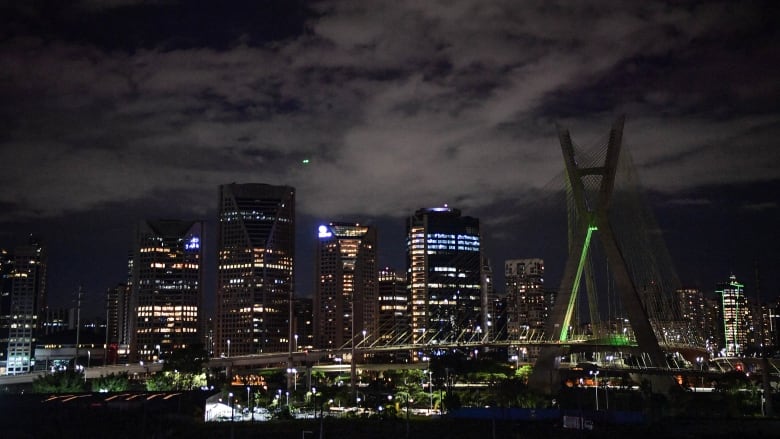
166, 287
692, 307
118, 319
256, 250
393, 313
526, 299
735, 315
6, 263
445, 272
345, 300
27, 275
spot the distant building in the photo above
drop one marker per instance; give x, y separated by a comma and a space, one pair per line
167, 282
345, 299
27, 278
692, 308
256, 250
488, 298
118, 319
303, 324
393, 306
735, 315
58, 320
444, 270
6, 265
527, 304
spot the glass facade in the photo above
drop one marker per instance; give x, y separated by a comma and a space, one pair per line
736, 317
256, 249
445, 274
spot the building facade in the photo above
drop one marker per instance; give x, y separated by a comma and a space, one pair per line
735, 316
26, 277
255, 254
345, 299
393, 306
527, 304
444, 271
119, 314
167, 280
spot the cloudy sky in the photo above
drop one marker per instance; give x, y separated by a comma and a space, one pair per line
112, 111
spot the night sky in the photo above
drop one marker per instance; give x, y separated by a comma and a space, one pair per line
119, 110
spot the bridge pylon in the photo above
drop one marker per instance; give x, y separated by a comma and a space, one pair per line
591, 219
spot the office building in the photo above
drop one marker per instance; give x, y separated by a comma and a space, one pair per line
255, 254
27, 276
167, 282
527, 302
444, 271
303, 324
692, 309
393, 306
345, 300
118, 320
735, 316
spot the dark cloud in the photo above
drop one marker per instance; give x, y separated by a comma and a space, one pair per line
396, 104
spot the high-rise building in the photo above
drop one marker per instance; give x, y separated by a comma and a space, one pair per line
527, 302
303, 324
256, 250
393, 306
27, 276
6, 263
345, 300
167, 287
488, 298
735, 315
444, 271
692, 308
118, 315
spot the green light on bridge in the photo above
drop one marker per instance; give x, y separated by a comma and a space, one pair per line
575, 288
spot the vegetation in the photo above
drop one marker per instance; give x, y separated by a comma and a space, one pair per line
119, 382
67, 381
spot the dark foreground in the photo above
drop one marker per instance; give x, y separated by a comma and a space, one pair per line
116, 425
35, 416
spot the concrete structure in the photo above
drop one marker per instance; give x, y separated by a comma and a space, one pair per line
255, 254
167, 279
589, 215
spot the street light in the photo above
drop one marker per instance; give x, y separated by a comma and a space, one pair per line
249, 403
408, 400
595, 375
430, 389
228, 342
232, 407
294, 371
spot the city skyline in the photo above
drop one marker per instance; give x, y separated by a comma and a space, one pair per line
118, 112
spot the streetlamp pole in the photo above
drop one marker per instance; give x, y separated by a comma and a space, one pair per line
228, 343
430, 389
249, 403
232, 407
408, 400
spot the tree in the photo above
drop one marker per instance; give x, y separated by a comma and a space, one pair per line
119, 382
68, 381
